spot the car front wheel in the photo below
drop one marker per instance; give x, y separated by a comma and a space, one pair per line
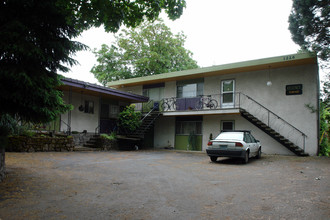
213, 159
259, 154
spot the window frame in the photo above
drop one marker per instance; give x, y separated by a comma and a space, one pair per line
223, 93
224, 121
198, 126
89, 107
198, 88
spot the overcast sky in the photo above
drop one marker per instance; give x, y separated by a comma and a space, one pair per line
218, 32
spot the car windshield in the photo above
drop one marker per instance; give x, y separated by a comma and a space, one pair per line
230, 136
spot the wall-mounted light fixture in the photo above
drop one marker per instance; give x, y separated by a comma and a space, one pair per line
269, 82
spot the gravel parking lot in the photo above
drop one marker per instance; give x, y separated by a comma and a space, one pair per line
163, 185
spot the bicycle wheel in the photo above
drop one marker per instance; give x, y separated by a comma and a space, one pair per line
174, 106
213, 104
165, 107
199, 105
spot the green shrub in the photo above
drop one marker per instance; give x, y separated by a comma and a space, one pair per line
111, 137
8, 125
129, 119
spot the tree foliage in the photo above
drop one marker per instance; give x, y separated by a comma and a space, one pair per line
115, 13
149, 49
310, 26
35, 42
325, 118
129, 119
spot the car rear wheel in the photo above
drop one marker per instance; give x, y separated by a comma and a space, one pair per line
213, 159
246, 157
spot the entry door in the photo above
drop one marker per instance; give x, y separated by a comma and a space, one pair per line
227, 93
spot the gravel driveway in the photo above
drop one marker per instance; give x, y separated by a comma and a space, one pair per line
162, 185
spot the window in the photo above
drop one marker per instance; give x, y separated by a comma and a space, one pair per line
189, 124
252, 139
154, 91
190, 88
89, 107
228, 125
188, 127
109, 111
114, 111
155, 94
247, 138
227, 92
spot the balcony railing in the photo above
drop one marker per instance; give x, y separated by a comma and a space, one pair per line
204, 102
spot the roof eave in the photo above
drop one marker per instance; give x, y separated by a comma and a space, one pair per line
245, 66
103, 90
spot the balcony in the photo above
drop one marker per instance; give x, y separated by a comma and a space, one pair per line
207, 104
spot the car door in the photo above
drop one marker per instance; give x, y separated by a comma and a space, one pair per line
254, 145
248, 141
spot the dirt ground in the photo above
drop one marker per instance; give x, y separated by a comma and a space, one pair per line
162, 185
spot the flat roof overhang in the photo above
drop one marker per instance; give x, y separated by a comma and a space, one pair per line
239, 67
100, 91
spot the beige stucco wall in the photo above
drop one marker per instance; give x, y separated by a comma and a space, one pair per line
136, 90
290, 108
79, 120
164, 132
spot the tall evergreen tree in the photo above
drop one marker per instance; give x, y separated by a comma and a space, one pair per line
310, 26
35, 42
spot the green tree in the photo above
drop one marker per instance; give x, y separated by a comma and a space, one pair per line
309, 24
148, 49
35, 42
324, 130
325, 118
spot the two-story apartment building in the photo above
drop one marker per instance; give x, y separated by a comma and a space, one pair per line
274, 97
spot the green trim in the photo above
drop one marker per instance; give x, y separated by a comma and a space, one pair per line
245, 64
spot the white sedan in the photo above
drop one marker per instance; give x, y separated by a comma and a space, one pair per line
239, 144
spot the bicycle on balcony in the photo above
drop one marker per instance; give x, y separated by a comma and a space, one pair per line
169, 104
206, 102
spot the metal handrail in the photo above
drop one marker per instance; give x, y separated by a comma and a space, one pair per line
148, 105
274, 114
69, 131
268, 116
148, 113
97, 128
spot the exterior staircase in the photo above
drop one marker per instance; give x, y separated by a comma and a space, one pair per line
148, 122
272, 133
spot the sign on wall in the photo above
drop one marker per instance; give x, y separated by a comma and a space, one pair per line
294, 89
